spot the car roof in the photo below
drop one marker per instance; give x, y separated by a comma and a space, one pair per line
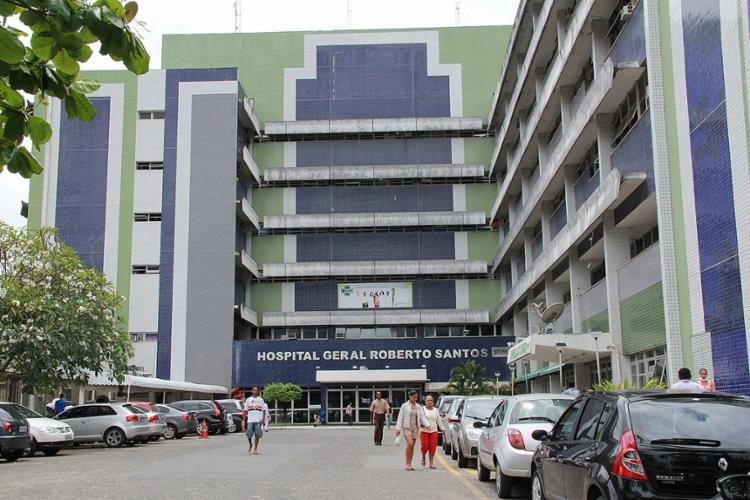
636, 395
475, 398
533, 397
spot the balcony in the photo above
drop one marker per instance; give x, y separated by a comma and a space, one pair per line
593, 300
640, 273
246, 213
376, 268
377, 317
243, 260
374, 220
369, 173
446, 126
248, 168
246, 114
630, 44
246, 314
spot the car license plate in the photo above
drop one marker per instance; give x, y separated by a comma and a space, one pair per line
23, 428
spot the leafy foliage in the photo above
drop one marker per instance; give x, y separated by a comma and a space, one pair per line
283, 393
608, 385
42, 43
469, 380
58, 318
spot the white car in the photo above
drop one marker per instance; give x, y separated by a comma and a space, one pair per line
506, 445
48, 436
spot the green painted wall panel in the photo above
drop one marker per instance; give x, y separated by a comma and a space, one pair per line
484, 294
642, 317
483, 245
268, 249
599, 322
268, 201
265, 297
269, 155
480, 197
479, 150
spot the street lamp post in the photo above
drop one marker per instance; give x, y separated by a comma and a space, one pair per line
596, 349
497, 383
617, 362
560, 346
512, 377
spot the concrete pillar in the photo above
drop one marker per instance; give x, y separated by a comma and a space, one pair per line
616, 254
553, 291
566, 98
535, 321
520, 323
599, 44
604, 144
546, 214
570, 191
540, 76
542, 146
561, 18
528, 238
514, 268
581, 376
579, 282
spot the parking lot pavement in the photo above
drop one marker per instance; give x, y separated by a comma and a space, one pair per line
293, 463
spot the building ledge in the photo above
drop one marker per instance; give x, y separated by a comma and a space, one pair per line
248, 168
246, 314
244, 260
377, 317
370, 220
246, 114
373, 126
376, 268
246, 213
371, 173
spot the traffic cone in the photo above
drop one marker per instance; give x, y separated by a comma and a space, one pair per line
204, 430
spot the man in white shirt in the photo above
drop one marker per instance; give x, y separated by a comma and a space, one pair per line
254, 419
685, 384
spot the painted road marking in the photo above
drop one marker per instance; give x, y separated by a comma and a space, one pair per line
476, 491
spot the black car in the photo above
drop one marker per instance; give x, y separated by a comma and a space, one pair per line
642, 445
14, 433
205, 409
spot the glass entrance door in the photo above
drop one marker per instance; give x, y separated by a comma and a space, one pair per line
360, 398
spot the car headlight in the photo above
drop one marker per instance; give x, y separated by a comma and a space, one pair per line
49, 429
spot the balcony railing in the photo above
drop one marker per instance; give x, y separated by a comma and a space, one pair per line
370, 173
376, 268
377, 317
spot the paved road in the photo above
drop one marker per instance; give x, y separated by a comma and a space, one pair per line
337, 462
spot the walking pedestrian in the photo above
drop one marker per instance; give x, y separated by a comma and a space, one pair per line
706, 385
410, 419
254, 417
428, 436
348, 412
571, 390
685, 383
60, 404
378, 410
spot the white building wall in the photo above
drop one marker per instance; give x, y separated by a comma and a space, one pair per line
144, 303
147, 191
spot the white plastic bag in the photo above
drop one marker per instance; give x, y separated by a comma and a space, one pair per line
398, 440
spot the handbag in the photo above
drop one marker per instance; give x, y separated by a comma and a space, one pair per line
397, 442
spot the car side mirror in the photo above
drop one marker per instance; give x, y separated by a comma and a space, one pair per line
478, 424
540, 435
734, 487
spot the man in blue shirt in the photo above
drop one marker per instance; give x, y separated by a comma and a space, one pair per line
60, 404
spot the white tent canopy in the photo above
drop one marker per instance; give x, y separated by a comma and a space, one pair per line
156, 384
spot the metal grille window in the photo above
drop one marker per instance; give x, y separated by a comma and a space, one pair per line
588, 168
147, 217
635, 104
646, 365
151, 115
620, 15
643, 242
146, 269
598, 274
149, 165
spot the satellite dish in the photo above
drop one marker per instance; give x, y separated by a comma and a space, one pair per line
552, 312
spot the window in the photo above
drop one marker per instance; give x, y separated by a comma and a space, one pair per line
635, 104
566, 297
146, 269
638, 245
558, 201
77, 412
149, 165
598, 274
587, 428
647, 364
137, 337
564, 428
586, 78
102, 411
151, 115
147, 217
588, 168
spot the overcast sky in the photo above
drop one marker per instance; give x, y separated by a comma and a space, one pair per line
193, 16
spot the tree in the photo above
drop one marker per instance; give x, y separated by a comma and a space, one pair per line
469, 380
282, 393
58, 318
42, 43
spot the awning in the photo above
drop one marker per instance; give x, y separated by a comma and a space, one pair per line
157, 383
572, 347
538, 373
370, 376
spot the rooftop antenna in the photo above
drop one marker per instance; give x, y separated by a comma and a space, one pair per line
457, 10
348, 14
237, 16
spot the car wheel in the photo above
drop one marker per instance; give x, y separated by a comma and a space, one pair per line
447, 447
32, 448
503, 483
114, 438
232, 427
170, 432
12, 456
537, 493
179, 436
50, 452
483, 473
463, 462
454, 453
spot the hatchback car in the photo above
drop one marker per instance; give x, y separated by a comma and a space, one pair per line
14, 433
643, 445
47, 435
156, 420
464, 436
506, 445
110, 423
179, 423
451, 411
207, 410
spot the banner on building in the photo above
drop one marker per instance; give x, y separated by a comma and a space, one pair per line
374, 295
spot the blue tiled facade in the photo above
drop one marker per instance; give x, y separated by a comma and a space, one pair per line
585, 187
630, 46
713, 190
345, 199
82, 184
374, 152
343, 247
635, 153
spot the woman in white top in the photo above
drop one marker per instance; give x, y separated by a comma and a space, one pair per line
428, 437
410, 419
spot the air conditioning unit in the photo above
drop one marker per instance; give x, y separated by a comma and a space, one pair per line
626, 12
291, 335
137, 337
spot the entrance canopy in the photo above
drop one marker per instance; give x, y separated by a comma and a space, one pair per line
370, 376
574, 347
157, 384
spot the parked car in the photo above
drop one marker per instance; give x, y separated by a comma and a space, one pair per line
447, 448
629, 444
47, 435
443, 404
156, 420
506, 445
207, 410
14, 433
110, 423
464, 436
179, 423
233, 408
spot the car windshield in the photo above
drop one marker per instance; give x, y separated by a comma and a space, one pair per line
539, 410
446, 405
229, 406
481, 408
26, 412
135, 409
9, 412
692, 421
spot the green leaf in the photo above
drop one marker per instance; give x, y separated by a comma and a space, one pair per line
14, 124
78, 106
39, 130
11, 48
86, 86
137, 59
12, 98
44, 44
65, 63
24, 163
83, 54
87, 36
34, 21
6, 9
53, 84
72, 41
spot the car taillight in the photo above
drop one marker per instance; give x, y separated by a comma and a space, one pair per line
515, 438
7, 427
628, 463
153, 418
186, 416
131, 418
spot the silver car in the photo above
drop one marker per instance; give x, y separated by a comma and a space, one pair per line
464, 436
449, 412
110, 423
179, 422
156, 421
